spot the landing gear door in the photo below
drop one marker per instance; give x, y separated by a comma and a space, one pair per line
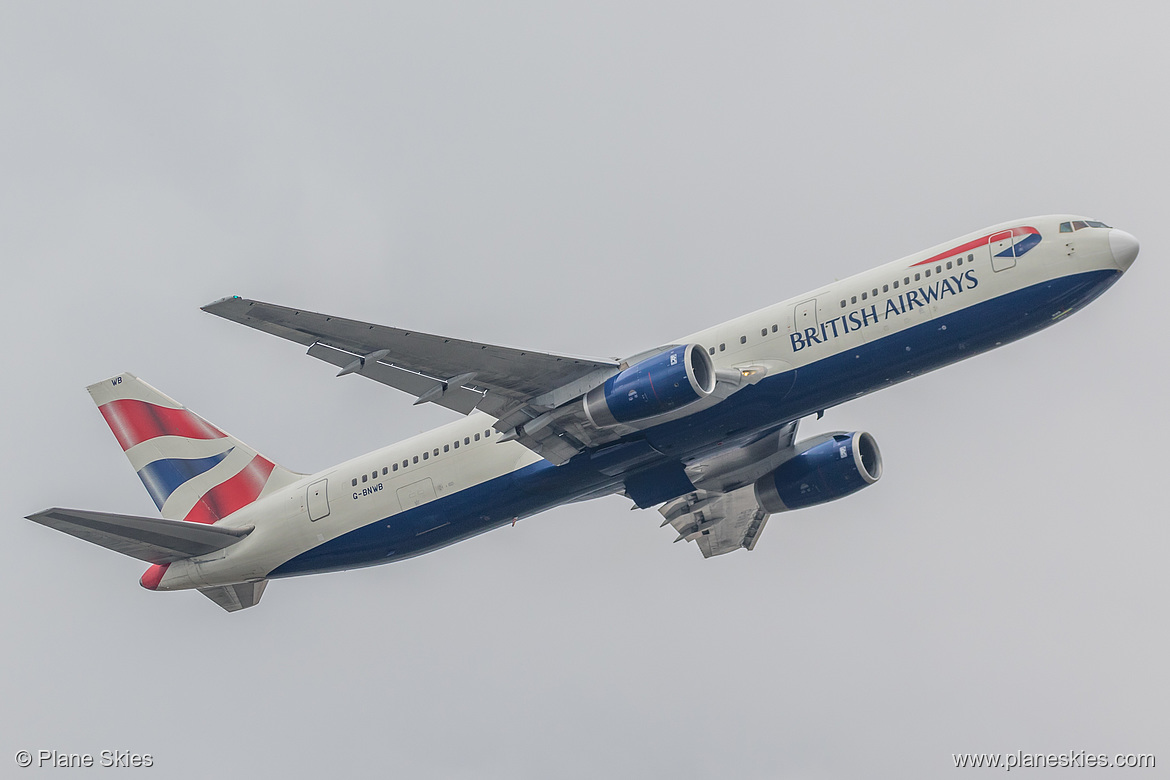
1003, 251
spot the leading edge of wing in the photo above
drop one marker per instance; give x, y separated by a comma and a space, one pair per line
519, 373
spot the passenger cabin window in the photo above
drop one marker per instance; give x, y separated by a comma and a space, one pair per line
477, 437
395, 468
875, 293
885, 288
416, 458
365, 478
446, 448
949, 266
895, 284
842, 303
777, 327
743, 339
711, 350
385, 471
467, 440
917, 277
722, 347
763, 331
864, 296
355, 481
853, 299
456, 444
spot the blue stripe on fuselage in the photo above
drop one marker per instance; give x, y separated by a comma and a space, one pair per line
1020, 247
742, 417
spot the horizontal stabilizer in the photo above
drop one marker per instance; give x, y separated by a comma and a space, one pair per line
233, 598
150, 539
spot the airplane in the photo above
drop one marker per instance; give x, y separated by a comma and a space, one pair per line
703, 428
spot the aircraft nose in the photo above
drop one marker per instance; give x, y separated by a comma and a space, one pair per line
1124, 248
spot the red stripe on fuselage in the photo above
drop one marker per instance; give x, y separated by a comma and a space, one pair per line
134, 422
236, 493
967, 247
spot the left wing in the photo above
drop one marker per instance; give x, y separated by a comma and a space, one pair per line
532, 395
515, 386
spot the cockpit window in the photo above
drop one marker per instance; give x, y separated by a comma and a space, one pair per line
1069, 227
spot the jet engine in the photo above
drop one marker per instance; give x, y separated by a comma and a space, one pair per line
657, 385
837, 467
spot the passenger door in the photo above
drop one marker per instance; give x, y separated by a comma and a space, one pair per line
805, 316
1003, 251
317, 498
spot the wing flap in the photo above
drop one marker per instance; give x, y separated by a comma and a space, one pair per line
718, 523
150, 539
457, 398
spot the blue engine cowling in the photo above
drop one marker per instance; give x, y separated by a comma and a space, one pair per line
657, 385
831, 469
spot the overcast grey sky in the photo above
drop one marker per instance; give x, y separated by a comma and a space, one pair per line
595, 178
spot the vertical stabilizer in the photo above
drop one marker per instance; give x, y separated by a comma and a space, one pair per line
193, 470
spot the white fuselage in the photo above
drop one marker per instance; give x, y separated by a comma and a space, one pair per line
459, 479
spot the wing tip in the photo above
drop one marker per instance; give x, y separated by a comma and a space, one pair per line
219, 303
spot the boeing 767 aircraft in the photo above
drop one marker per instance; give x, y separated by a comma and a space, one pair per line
703, 428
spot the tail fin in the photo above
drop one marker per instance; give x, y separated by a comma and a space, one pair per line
192, 470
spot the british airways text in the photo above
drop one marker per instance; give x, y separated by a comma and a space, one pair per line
894, 307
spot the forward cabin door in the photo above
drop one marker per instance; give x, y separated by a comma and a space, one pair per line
805, 316
1003, 252
317, 498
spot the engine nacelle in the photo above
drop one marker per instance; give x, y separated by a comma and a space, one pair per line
831, 469
656, 385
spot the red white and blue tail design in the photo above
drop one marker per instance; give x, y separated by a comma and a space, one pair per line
192, 469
